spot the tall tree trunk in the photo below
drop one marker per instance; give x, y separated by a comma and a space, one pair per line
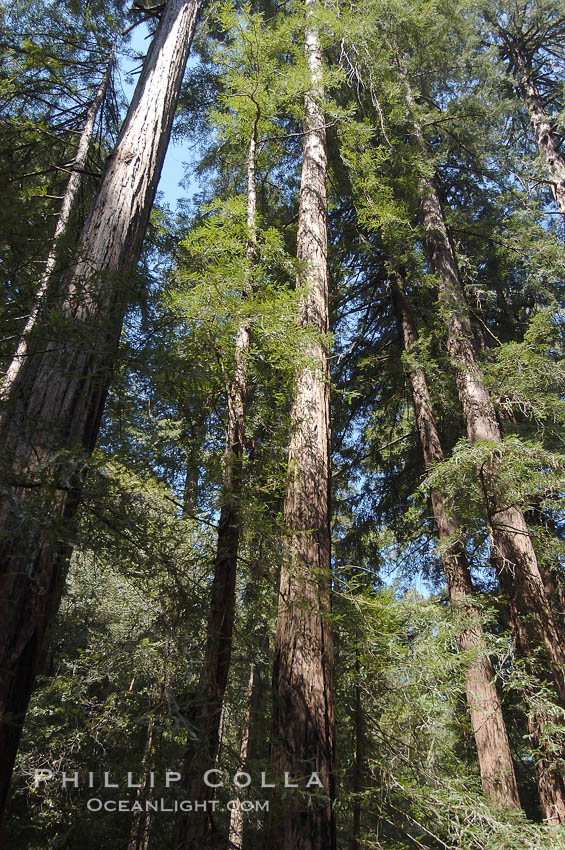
303, 693
68, 205
57, 399
552, 573
236, 820
141, 821
359, 759
549, 779
214, 675
487, 721
512, 552
547, 138
511, 543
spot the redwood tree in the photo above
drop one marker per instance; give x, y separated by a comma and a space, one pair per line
303, 711
68, 204
51, 419
531, 40
487, 721
512, 552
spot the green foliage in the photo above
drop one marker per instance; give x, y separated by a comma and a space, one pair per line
128, 646
527, 379
54, 56
400, 653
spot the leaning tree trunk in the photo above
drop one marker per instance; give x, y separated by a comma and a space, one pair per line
215, 669
487, 721
511, 541
513, 554
56, 402
512, 551
303, 710
551, 573
547, 138
512, 545
68, 205
549, 778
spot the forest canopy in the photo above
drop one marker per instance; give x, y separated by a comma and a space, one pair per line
282, 463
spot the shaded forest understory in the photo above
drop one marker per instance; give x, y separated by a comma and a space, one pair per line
281, 509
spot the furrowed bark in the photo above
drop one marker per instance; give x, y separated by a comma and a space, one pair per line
51, 420
547, 139
546, 135
487, 721
68, 205
552, 574
511, 543
303, 711
512, 552
549, 779
214, 675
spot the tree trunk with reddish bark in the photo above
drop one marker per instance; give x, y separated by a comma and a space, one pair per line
487, 721
68, 205
549, 779
511, 543
551, 573
303, 693
51, 419
512, 553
